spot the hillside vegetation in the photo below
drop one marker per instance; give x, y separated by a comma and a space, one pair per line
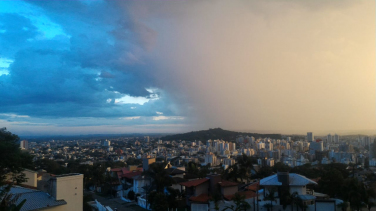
216, 133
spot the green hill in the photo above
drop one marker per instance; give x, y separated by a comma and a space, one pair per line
216, 133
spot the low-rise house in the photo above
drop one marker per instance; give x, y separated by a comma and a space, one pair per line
296, 185
62, 193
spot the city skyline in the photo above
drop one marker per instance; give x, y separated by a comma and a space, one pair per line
114, 67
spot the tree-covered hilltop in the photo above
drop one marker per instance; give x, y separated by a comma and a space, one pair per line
216, 133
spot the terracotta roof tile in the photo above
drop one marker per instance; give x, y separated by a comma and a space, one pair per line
253, 186
247, 194
116, 169
130, 175
225, 183
194, 183
200, 198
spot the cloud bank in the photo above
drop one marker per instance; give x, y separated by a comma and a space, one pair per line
172, 66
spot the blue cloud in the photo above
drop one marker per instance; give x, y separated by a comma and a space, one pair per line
96, 56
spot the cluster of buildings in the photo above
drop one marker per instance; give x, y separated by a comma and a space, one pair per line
200, 192
140, 152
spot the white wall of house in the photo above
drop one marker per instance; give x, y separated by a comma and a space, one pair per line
301, 190
199, 207
138, 184
178, 186
70, 188
31, 178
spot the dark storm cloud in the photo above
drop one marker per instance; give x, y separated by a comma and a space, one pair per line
97, 58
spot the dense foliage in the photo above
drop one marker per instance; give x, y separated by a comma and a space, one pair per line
216, 133
12, 162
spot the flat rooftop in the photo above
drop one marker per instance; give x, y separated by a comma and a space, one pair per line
67, 175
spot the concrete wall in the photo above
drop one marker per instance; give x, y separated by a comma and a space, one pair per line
30, 175
199, 207
229, 190
301, 190
70, 188
58, 208
31, 178
202, 188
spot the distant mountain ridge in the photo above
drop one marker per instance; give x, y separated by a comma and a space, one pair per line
216, 133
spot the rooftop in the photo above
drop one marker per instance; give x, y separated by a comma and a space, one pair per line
225, 183
246, 194
294, 180
194, 183
130, 175
67, 175
200, 198
35, 200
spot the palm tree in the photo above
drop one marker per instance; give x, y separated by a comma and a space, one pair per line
271, 197
370, 198
301, 204
245, 167
343, 206
216, 197
240, 204
294, 200
159, 176
9, 202
232, 173
286, 198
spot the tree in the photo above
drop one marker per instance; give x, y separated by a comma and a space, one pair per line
343, 206
271, 197
240, 203
159, 202
12, 162
131, 195
232, 173
98, 175
9, 203
265, 171
301, 204
356, 193
159, 176
51, 166
370, 204
331, 183
86, 199
281, 167
294, 199
216, 197
286, 197
245, 166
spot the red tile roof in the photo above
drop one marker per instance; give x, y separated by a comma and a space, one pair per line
200, 198
124, 170
247, 194
116, 169
254, 186
225, 183
129, 175
194, 183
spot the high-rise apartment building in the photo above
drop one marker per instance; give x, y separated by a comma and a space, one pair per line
329, 138
24, 144
310, 136
336, 138
106, 143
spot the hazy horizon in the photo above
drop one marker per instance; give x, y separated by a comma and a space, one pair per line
89, 67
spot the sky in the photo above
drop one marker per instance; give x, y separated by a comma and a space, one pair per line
98, 67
